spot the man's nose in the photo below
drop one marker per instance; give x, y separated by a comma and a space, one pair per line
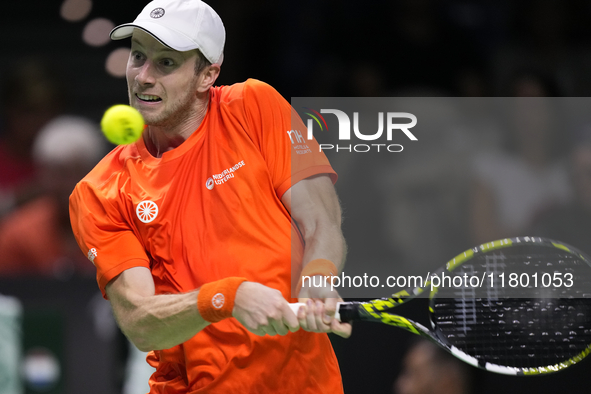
146, 74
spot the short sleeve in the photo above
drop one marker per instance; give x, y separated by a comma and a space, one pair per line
103, 235
279, 131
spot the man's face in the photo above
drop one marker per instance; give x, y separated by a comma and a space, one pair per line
161, 81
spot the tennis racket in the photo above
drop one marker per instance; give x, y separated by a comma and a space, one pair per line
529, 312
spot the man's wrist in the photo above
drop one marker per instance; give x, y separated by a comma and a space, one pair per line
315, 267
215, 300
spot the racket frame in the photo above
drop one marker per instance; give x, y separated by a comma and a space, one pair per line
377, 310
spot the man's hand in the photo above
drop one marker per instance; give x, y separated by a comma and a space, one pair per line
263, 310
318, 314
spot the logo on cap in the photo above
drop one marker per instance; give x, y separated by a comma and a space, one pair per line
157, 13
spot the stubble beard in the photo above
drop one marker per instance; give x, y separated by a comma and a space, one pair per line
178, 111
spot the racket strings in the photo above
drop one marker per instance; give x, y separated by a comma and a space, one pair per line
519, 333
521, 323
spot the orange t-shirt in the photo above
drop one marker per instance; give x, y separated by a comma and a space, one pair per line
209, 209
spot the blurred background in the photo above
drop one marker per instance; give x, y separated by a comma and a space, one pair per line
60, 72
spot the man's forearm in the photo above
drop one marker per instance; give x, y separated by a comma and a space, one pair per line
154, 322
325, 242
161, 321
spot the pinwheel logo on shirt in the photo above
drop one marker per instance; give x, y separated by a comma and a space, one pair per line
146, 211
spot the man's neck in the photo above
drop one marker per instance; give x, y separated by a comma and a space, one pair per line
163, 138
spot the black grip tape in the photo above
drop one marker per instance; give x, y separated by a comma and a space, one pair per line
349, 312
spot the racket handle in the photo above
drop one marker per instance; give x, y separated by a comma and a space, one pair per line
295, 307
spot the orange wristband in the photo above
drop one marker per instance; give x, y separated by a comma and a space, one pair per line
215, 300
317, 267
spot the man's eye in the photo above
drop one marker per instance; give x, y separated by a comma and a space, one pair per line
137, 55
167, 62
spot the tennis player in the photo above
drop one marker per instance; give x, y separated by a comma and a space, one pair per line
190, 228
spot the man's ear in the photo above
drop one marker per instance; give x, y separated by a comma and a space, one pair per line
208, 77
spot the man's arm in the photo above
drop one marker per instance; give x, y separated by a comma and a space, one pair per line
314, 206
154, 322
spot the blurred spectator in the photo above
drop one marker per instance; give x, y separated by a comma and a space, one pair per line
551, 36
31, 96
36, 239
428, 369
473, 82
427, 50
571, 222
511, 186
424, 191
530, 82
367, 80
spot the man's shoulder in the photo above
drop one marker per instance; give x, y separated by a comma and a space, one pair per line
111, 166
244, 90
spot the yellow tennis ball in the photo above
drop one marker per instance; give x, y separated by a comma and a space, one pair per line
122, 124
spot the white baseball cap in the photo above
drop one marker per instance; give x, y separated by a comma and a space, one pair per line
182, 25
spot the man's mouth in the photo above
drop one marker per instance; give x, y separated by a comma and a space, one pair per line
148, 97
